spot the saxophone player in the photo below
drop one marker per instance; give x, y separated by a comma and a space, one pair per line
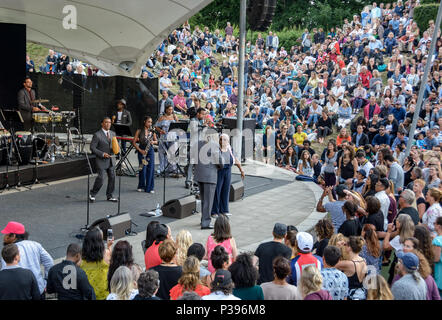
143, 142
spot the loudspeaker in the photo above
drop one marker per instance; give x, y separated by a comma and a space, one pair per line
236, 191
179, 208
260, 14
120, 225
13, 66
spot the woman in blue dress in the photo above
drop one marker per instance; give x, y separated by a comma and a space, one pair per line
146, 156
162, 127
227, 159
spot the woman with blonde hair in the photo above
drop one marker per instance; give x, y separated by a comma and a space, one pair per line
183, 242
404, 230
311, 285
189, 280
378, 289
355, 268
344, 114
122, 285
339, 240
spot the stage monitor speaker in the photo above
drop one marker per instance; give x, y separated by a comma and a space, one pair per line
179, 208
236, 191
120, 225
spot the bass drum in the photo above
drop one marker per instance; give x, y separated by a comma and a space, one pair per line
24, 144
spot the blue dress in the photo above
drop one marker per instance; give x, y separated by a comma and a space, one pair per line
221, 200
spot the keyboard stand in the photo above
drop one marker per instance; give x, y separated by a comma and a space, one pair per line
124, 164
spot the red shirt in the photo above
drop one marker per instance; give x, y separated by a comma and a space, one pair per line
152, 257
365, 78
177, 291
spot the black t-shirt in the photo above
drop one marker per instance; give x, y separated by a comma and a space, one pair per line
266, 252
422, 200
320, 246
138, 297
168, 279
350, 228
376, 219
412, 212
18, 284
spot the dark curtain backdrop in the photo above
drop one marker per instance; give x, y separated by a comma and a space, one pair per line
95, 97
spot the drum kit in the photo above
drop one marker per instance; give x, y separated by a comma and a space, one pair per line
41, 144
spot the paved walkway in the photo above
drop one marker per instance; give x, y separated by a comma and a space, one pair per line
253, 217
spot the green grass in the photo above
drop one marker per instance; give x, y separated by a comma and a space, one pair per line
37, 53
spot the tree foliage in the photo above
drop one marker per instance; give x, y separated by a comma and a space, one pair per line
425, 13
289, 13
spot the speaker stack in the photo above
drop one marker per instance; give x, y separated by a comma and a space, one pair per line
260, 14
179, 208
236, 191
120, 225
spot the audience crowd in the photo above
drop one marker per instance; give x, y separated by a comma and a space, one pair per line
360, 81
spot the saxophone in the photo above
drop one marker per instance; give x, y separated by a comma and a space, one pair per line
145, 160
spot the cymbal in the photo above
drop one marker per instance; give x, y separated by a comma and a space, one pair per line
40, 101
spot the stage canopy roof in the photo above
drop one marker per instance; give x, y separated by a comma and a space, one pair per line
117, 36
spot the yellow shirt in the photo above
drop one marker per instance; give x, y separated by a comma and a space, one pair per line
97, 275
299, 137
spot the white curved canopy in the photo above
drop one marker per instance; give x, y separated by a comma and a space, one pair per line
110, 34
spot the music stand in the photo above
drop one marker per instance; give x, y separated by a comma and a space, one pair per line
13, 118
182, 125
122, 130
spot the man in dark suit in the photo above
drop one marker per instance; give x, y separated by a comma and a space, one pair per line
359, 138
101, 146
25, 106
206, 174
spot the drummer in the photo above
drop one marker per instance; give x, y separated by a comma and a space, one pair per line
26, 104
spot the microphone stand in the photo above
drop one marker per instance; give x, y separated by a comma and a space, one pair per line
89, 174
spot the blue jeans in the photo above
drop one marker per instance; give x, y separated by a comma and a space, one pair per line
357, 103
146, 175
302, 177
313, 117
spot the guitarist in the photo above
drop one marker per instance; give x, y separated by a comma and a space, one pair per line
146, 138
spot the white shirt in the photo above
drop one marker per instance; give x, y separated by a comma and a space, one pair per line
338, 92
218, 295
367, 166
119, 115
113, 296
396, 244
106, 132
385, 204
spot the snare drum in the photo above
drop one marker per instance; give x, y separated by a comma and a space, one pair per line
56, 117
41, 117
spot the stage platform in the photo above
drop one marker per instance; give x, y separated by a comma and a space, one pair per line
58, 170
53, 215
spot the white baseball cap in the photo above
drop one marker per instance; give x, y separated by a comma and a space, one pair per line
305, 241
